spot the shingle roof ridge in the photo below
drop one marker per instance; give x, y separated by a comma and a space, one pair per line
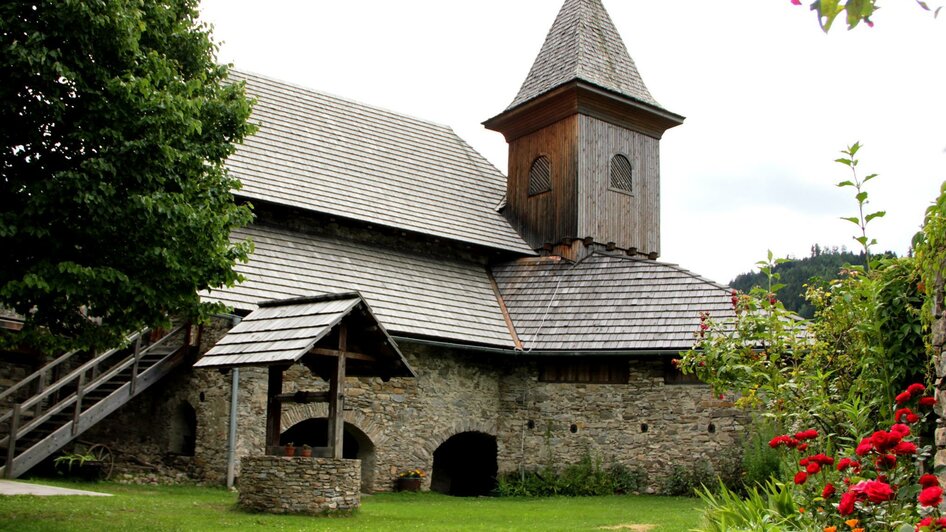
272, 79
583, 44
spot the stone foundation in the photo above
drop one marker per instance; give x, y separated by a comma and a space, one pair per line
312, 486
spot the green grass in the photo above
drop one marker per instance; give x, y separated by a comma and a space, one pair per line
191, 508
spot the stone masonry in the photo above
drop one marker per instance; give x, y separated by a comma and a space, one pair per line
312, 486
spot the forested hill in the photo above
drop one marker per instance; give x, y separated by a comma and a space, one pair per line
824, 264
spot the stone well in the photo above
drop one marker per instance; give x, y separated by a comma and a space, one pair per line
297, 485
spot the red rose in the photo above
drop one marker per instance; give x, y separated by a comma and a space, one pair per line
822, 459
928, 480
807, 434
878, 492
846, 505
905, 447
883, 441
925, 522
813, 468
901, 430
886, 461
903, 398
801, 477
828, 491
864, 447
927, 401
802, 446
916, 389
901, 413
931, 496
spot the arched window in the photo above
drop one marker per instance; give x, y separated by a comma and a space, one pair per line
540, 176
621, 174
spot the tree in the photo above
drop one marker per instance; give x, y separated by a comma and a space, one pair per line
115, 205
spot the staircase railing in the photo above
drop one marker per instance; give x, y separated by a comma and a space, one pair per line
64, 418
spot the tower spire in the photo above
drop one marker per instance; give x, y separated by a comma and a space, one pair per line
583, 44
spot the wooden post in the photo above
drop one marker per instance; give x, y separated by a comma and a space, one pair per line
134, 366
11, 443
80, 392
40, 388
336, 401
273, 407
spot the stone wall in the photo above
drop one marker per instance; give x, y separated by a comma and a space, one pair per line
313, 486
645, 425
399, 424
938, 341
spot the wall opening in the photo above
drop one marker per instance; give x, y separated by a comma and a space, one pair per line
465, 465
182, 433
356, 445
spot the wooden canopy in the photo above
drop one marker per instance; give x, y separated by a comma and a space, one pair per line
314, 331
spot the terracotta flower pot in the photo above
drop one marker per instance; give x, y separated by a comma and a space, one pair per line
290, 450
305, 453
408, 484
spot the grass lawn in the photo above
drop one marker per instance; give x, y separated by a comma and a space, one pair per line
190, 508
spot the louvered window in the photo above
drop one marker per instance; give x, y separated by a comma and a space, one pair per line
621, 174
540, 176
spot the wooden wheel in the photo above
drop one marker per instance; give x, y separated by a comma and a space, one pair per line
104, 455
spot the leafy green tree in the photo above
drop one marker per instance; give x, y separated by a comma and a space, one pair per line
115, 205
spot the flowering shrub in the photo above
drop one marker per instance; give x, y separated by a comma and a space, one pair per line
877, 485
412, 473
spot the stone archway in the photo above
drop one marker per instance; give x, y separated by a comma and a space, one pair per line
313, 430
465, 465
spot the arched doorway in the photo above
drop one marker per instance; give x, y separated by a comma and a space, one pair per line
355, 444
465, 465
182, 430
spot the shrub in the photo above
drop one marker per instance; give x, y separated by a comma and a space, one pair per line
587, 477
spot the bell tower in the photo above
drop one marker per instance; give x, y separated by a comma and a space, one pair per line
584, 136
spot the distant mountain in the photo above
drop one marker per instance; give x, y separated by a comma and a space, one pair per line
823, 265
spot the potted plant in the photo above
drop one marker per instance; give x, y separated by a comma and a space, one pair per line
410, 480
306, 450
290, 449
87, 466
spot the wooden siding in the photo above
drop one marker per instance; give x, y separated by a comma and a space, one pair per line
549, 216
609, 215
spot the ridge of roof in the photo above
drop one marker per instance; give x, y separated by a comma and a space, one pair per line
584, 44
322, 153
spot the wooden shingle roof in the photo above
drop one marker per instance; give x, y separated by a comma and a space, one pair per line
583, 44
607, 302
410, 293
327, 154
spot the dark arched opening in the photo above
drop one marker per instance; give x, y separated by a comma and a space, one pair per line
465, 465
182, 436
356, 445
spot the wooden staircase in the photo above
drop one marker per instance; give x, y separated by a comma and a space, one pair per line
50, 410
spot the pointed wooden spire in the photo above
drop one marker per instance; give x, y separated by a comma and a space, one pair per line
583, 44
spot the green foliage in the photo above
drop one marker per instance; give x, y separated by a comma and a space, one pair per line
862, 219
854, 11
74, 459
824, 265
760, 463
930, 246
765, 507
689, 480
586, 478
115, 205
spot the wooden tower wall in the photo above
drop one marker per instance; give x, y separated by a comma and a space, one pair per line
550, 216
628, 220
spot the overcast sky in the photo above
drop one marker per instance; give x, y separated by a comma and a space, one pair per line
770, 101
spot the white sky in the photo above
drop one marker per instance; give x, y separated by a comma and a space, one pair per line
769, 99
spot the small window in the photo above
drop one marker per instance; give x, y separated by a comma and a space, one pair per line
614, 371
621, 174
672, 375
540, 176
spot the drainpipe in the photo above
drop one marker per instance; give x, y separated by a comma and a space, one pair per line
231, 438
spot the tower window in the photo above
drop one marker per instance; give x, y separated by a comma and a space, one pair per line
540, 176
621, 174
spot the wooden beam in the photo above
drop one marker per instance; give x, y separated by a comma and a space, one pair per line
336, 421
273, 406
348, 354
303, 397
